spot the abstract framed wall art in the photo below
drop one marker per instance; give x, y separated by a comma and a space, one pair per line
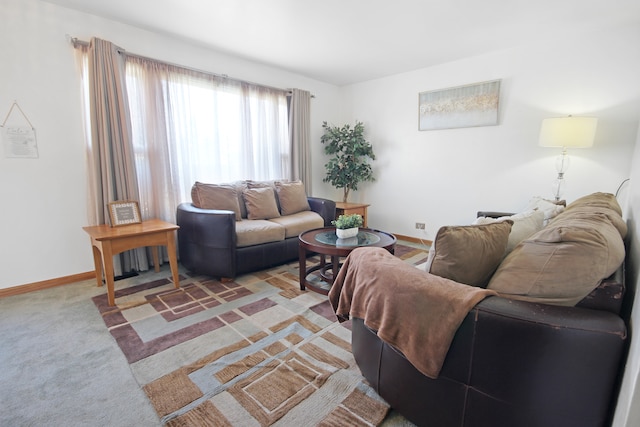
458, 107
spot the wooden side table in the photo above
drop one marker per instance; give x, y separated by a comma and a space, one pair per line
343, 208
108, 241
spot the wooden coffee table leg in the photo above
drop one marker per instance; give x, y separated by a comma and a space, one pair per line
302, 265
335, 261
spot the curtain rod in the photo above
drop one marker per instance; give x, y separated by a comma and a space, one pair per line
77, 42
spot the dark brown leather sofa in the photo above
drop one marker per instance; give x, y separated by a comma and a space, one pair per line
207, 241
513, 364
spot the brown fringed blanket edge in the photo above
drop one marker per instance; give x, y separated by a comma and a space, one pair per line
414, 311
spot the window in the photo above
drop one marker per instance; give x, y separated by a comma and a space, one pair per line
190, 126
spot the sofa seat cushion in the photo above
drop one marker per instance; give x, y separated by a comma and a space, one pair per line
251, 232
562, 263
299, 222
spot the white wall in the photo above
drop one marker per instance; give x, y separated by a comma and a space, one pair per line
44, 200
443, 177
628, 408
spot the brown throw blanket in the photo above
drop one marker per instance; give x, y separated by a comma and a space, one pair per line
414, 311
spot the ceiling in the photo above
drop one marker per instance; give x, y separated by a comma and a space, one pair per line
348, 41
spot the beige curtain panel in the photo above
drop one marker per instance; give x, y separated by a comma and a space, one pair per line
111, 154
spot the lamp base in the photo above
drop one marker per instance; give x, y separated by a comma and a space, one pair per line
559, 186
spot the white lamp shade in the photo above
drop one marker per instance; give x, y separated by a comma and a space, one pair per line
569, 131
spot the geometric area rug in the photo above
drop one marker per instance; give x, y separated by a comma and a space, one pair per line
255, 351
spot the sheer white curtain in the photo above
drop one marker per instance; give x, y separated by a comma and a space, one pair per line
190, 126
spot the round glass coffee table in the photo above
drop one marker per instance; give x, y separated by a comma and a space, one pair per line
324, 242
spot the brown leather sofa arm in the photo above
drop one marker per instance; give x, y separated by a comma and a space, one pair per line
545, 365
324, 207
205, 235
511, 363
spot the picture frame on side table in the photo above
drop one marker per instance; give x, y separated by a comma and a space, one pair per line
124, 212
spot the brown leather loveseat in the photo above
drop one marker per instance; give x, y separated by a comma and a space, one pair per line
515, 360
231, 229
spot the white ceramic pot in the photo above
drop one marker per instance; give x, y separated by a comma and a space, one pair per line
346, 233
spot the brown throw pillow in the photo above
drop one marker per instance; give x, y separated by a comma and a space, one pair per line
260, 203
292, 197
214, 196
469, 253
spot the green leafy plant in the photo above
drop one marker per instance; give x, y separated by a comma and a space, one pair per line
348, 221
351, 152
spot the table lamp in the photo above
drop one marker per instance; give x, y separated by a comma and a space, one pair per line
565, 132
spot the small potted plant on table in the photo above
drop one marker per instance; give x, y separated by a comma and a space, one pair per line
347, 225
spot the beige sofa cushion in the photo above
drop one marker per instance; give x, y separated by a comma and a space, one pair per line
292, 197
240, 186
297, 223
254, 232
601, 200
524, 225
566, 260
469, 254
260, 203
265, 184
216, 196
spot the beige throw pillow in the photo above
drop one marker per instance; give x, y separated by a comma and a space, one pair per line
292, 197
469, 253
260, 203
524, 225
215, 196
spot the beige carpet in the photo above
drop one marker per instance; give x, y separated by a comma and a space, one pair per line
253, 351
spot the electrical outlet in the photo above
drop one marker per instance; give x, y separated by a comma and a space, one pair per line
419, 225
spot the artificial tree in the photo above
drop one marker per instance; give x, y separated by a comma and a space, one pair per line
351, 152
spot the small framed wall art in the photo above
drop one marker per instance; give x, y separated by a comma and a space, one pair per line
124, 212
462, 106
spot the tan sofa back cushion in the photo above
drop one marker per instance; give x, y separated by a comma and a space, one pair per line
292, 197
260, 203
216, 196
566, 260
600, 200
